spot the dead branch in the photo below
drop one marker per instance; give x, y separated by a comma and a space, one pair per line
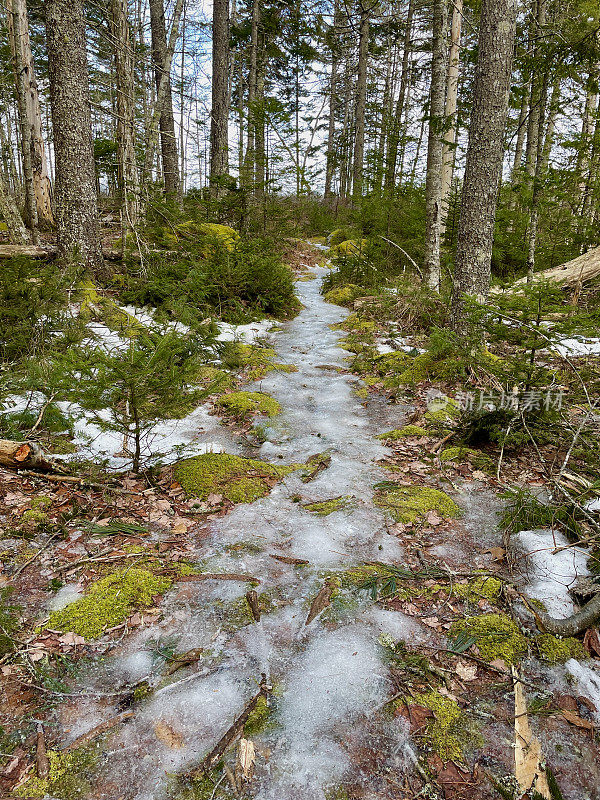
233, 731
23, 455
107, 725
42, 761
321, 601
252, 598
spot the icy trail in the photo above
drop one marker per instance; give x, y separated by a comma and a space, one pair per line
327, 680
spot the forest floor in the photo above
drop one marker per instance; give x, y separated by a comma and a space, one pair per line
348, 602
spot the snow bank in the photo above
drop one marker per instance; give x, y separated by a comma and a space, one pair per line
549, 574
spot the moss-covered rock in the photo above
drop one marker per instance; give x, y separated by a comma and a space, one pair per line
109, 602
68, 778
343, 295
237, 479
339, 235
350, 247
496, 636
323, 508
93, 305
403, 433
482, 588
256, 360
449, 733
225, 235
409, 504
244, 404
558, 651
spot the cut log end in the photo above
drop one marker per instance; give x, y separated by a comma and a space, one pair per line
24, 455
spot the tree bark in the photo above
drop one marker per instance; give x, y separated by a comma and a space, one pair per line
484, 155
127, 176
433, 180
75, 192
250, 154
219, 113
361, 104
24, 455
333, 102
451, 121
162, 56
29, 105
17, 232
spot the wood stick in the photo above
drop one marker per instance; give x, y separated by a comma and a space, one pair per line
42, 761
107, 725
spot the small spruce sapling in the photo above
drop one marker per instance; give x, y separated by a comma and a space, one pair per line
130, 389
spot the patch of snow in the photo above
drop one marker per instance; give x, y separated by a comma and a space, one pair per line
549, 574
104, 338
593, 505
578, 347
65, 595
247, 334
588, 682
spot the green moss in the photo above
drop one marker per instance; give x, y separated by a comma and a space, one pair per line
402, 433
557, 651
477, 458
95, 306
318, 240
108, 602
225, 235
239, 480
496, 636
69, 776
236, 614
356, 324
35, 515
325, 507
349, 247
258, 720
258, 361
336, 793
343, 295
448, 732
208, 786
408, 504
485, 587
339, 235
242, 404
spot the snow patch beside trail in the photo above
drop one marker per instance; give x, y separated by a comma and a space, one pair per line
65, 595
247, 334
550, 574
578, 347
588, 682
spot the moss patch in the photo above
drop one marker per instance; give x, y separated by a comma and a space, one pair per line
325, 507
402, 433
226, 236
242, 404
258, 719
239, 480
496, 636
343, 295
449, 732
483, 588
557, 651
69, 776
478, 459
108, 602
408, 504
258, 361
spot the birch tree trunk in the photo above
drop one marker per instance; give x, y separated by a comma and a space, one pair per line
75, 192
127, 175
161, 59
451, 121
433, 180
219, 112
29, 105
361, 104
484, 155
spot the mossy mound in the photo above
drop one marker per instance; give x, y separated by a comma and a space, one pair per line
483, 588
68, 776
350, 247
243, 404
478, 459
108, 602
93, 305
258, 720
323, 508
356, 324
409, 504
258, 361
449, 733
237, 479
318, 240
403, 433
558, 651
343, 295
426, 367
496, 636
339, 235
225, 235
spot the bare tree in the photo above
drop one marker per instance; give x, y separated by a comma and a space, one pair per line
361, 102
219, 114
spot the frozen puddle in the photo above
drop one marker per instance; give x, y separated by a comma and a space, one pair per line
328, 678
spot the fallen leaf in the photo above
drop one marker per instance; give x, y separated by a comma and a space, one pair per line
466, 672
585, 701
179, 527
574, 719
71, 638
168, 735
214, 499
478, 475
591, 642
497, 553
433, 519
432, 622
529, 772
22, 453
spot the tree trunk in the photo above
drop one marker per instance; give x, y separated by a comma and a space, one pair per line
361, 105
29, 103
219, 113
333, 102
75, 191
451, 122
24, 455
250, 155
162, 56
433, 180
127, 176
17, 232
484, 155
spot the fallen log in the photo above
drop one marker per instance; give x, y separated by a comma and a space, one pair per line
24, 455
579, 270
27, 250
